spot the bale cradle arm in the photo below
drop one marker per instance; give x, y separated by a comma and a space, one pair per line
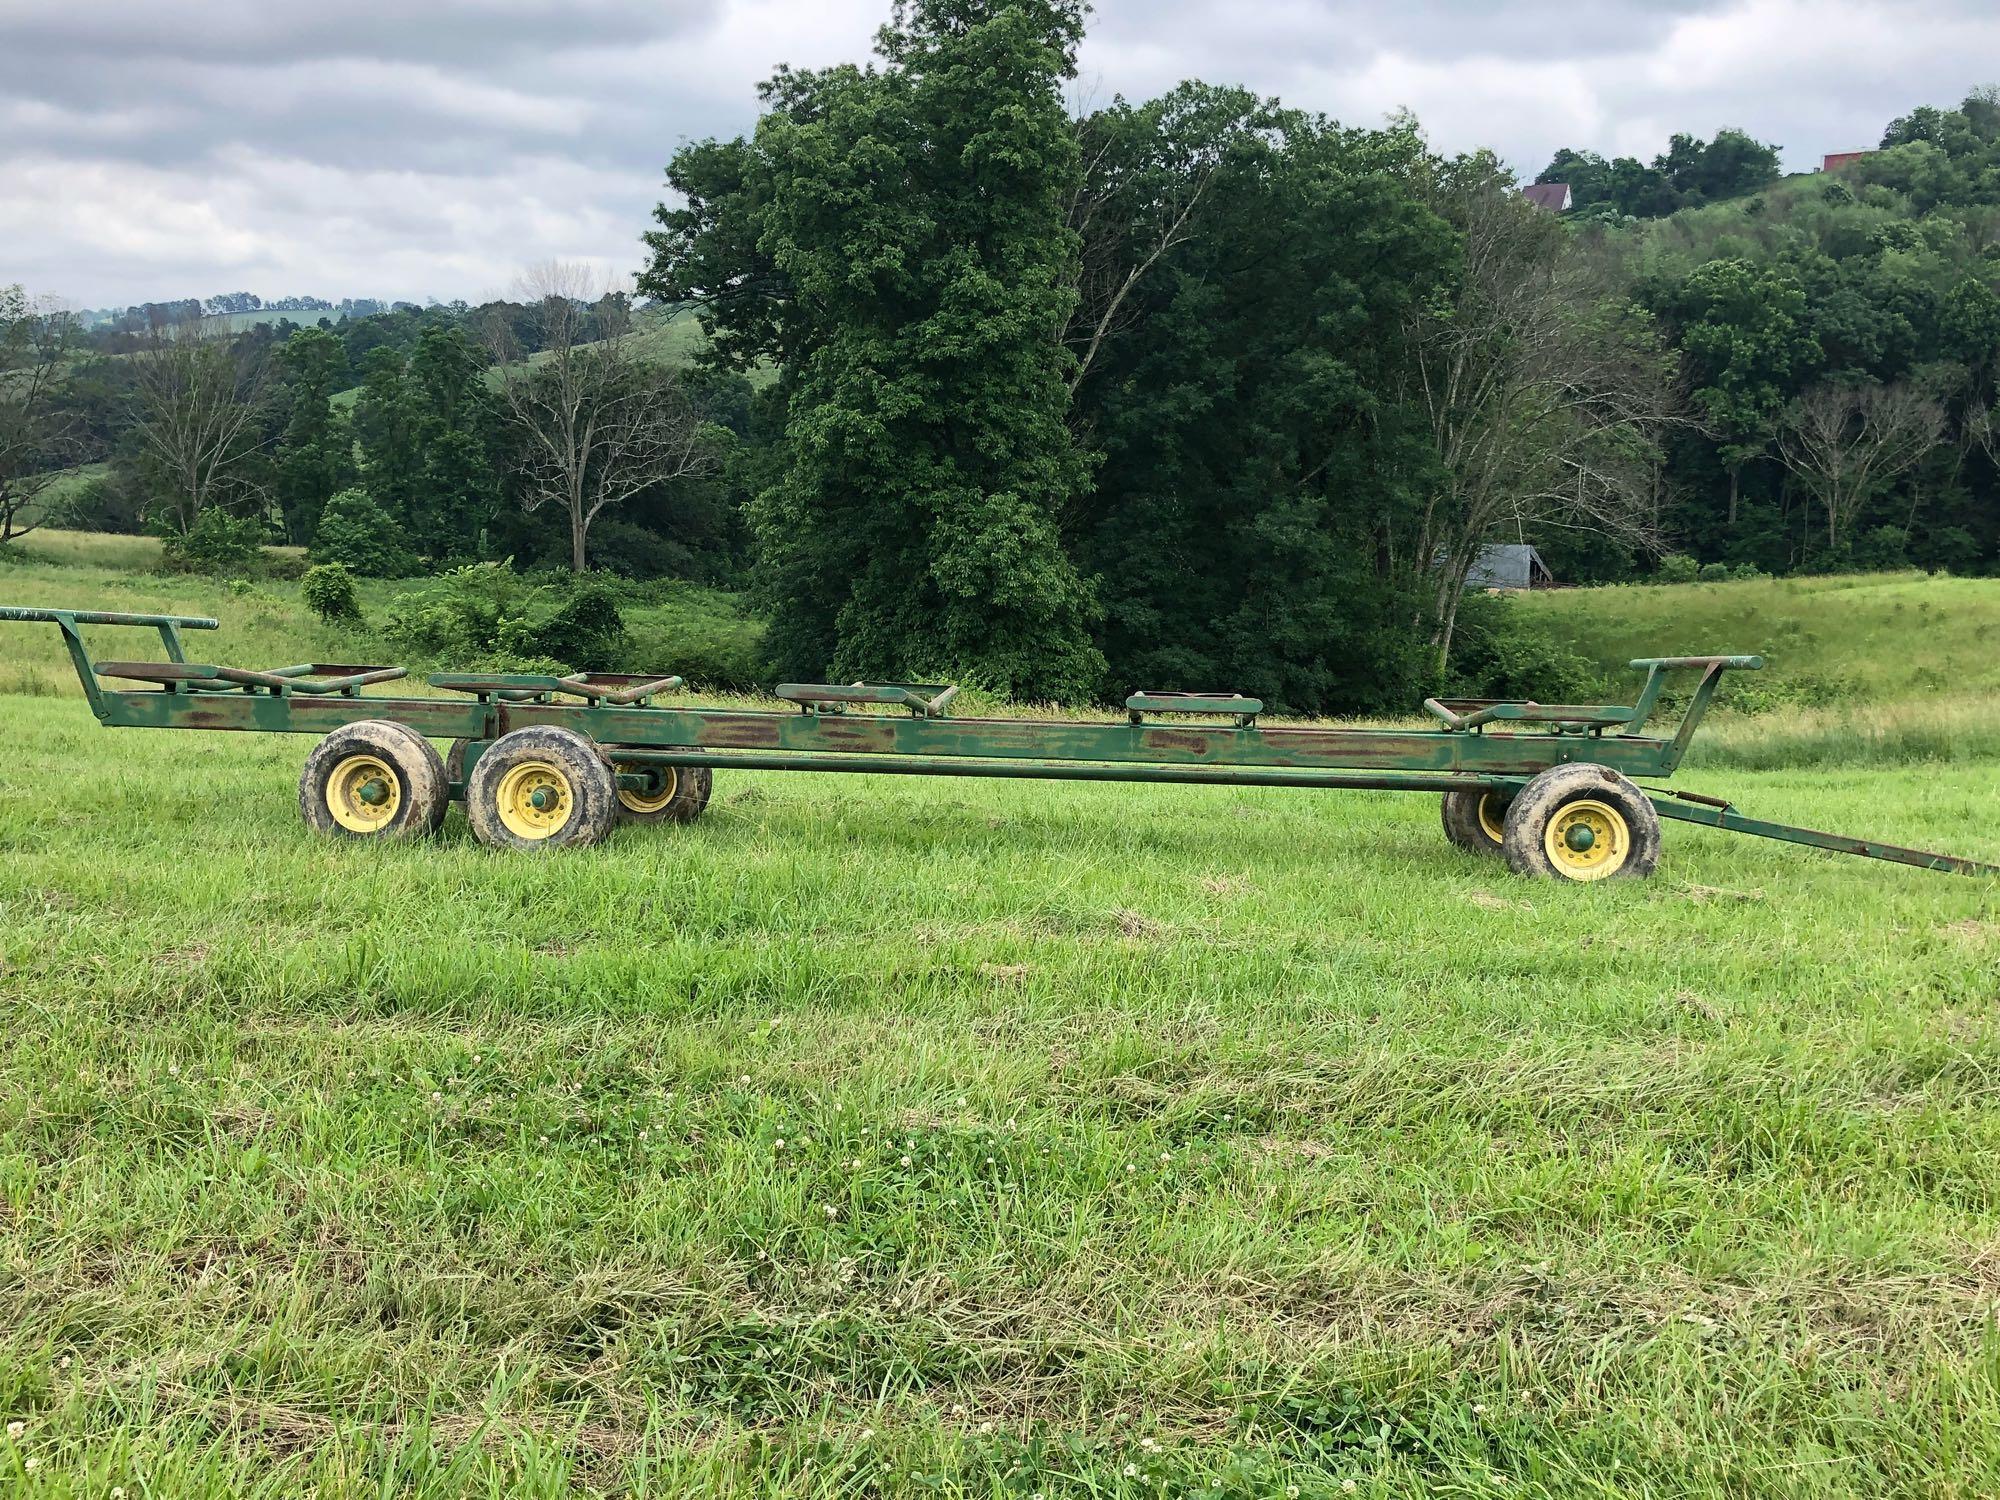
68, 621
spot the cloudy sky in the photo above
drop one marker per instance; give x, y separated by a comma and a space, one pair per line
413, 148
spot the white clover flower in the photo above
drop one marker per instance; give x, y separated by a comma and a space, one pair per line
985, 1426
744, 1080
1479, 1408
15, 1429
1347, 1487
832, 1212
867, 1433
780, 1143
436, 1097
961, 1102
906, 1161
1131, 1470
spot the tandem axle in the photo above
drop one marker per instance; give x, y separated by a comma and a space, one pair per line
542, 761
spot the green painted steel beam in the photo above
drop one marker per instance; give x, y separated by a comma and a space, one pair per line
1712, 812
1064, 770
891, 736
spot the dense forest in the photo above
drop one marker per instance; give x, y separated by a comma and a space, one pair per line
1201, 391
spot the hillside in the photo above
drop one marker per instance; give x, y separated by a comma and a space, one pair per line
1870, 669
1885, 635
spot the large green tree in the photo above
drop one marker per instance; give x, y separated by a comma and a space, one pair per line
1247, 272
455, 423
895, 239
315, 457
1747, 335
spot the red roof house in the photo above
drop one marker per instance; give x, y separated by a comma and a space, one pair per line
1839, 159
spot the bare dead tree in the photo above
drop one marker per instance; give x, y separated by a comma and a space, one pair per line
1982, 427
598, 423
37, 437
199, 389
1848, 443
1145, 174
1546, 393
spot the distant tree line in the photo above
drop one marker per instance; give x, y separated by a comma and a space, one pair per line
1838, 343
391, 441
1689, 173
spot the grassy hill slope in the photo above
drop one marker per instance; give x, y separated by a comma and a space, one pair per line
1871, 668
1889, 634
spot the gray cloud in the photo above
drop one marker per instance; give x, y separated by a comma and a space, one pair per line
390, 149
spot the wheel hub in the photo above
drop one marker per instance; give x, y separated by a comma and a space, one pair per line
661, 784
535, 800
363, 794
1587, 840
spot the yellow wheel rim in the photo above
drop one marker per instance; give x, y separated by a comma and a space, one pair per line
1493, 816
1587, 840
647, 802
535, 800
363, 794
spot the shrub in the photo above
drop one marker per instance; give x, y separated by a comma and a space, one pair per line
1716, 572
328, 591
1678, 567
1498, 654
1883, 549
217, 543
356, 531
104, 503
465, 614
587, 631
635, 552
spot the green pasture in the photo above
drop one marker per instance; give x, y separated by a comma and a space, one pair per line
936, 1137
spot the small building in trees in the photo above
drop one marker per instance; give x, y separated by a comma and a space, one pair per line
1553, 196
1509, 565
1837, 161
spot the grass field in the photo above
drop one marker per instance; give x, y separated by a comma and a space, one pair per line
1893, 635
940, 1138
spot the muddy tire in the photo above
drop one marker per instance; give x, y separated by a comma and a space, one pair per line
374, 779
1475, 820
1582, 823
678, 797
541, 788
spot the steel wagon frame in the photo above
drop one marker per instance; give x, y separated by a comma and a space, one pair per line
1484, 756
